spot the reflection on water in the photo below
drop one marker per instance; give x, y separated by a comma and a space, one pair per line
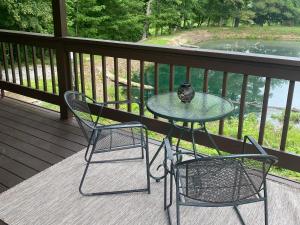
281, 48
255, 87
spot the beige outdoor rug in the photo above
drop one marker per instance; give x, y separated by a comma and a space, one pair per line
52, 197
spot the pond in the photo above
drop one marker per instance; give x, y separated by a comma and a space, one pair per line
255, 89
280, 48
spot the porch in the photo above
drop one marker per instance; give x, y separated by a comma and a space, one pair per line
33, 139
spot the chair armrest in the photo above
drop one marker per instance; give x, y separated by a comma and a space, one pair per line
255, 144
121, 102
122, 125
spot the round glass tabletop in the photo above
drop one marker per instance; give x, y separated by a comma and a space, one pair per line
203, 108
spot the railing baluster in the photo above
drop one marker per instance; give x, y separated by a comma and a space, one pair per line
156, 78
19, 64
75, 65
81, 67
4, 61
104, 79
188, 74
12, 62
224, 92
242, 106
70, 70
142, 64
287, 115
52, 71
36, 77
1, 74
264, 111
128, 84
205, 81
27, 66
1, 78
93, 76
116, 78
171, 81
45, 85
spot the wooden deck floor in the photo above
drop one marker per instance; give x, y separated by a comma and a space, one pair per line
31, 140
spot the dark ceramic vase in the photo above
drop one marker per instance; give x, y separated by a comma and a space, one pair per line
185, 92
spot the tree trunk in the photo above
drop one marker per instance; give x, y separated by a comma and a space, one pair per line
237, 22
208, 22
147, 21
76, 19
184, 22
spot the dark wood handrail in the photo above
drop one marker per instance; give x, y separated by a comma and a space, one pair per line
279, 67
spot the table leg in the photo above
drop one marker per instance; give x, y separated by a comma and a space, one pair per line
158, 178
193, 140
211, 139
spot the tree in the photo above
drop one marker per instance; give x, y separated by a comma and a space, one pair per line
26, 15
276, 11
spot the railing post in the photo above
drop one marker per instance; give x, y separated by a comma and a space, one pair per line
62, 59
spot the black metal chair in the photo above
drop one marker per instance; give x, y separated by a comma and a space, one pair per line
107, 138
219, 181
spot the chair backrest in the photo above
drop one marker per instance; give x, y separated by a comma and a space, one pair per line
78, 104
224, 179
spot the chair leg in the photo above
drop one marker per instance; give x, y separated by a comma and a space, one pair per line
86, 152
142, 140
112, 192
177, 199
178, 213
86, 168
266, 202
147, 163
239, 215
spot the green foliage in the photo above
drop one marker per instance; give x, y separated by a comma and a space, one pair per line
26, 15
106, 19
130, 20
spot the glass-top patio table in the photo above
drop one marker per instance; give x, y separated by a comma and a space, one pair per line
203, 108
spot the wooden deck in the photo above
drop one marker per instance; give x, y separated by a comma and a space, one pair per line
33, 139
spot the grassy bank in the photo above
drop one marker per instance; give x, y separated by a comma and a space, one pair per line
196, 35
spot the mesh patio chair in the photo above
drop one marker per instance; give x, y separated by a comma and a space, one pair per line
219, 181
107, 138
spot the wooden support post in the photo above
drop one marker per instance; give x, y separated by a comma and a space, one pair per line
62, 56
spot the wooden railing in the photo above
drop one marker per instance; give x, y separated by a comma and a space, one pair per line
65, 61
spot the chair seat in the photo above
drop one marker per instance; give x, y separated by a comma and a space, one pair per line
217, 181
118, 138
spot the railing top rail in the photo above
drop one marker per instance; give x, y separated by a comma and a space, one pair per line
249, 57
29, 38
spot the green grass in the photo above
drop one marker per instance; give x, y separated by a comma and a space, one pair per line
159, 40
243, 32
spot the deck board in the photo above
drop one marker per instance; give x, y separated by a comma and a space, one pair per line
42, 126
9, 179
31, 140
2, 188
22, 157
37, 142
42, 115
15, 167
29, 149
37, 132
